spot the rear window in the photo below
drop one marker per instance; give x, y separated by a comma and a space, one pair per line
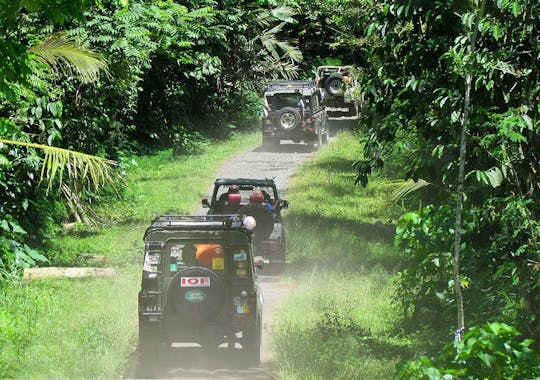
211, 256
195, 253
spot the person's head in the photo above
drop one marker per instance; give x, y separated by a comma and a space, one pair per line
256, 197
234, 189
189, 254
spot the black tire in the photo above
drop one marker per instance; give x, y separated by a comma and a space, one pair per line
353, 108
289, 118
326, 135
317, 143
252, 344
195, 304
325, 138
263, 217
149, 351
334, 84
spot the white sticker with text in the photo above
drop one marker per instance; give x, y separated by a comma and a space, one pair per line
195, 282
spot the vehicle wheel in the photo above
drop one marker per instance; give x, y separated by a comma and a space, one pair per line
334, 84
263, 217
252, 344
149, 351
353, 109
317, 143
289, 118
325, 138
326, 135
195, 303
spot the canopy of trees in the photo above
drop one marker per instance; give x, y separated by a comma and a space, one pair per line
109, 79
175, 69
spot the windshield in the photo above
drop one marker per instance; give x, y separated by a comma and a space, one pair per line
247, 191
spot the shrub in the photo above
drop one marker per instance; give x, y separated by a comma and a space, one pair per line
491, 351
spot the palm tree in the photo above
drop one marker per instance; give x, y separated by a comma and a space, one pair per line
54, 54
60, 53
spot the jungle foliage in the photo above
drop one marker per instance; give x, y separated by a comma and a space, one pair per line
171, 74
112, 79
414, 58
420, 54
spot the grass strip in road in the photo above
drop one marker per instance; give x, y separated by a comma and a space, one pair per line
88, 328
338, 321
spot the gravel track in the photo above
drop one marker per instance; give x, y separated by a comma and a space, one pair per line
191, 362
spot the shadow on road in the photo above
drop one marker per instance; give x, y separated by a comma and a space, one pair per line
198, 363
194, 362
286, 148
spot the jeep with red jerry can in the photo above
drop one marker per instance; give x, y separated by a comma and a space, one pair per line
294, 110
199, 285
258, 198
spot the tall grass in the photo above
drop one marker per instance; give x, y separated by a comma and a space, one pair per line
88, 328
339, 321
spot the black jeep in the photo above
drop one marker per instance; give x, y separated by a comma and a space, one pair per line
258, 198
293, 110
339, 91
199, 285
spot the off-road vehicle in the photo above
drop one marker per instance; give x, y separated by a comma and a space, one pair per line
199, 285
258, 198
337, 87
293, 110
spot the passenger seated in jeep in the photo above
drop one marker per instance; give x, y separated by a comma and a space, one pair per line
258, 196
189, 255
230, 201
290, 100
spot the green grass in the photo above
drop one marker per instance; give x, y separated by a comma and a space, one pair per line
88, 328
339, 321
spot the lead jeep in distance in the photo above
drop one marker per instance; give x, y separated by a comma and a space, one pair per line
199, 285
293, 110
260, 199
338, 88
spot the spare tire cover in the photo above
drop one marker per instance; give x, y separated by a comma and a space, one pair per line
289, 118
196, 294
263, 217
334, 84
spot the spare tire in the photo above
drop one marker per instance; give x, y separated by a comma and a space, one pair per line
289, 118
196, 294
263, 217
334, 84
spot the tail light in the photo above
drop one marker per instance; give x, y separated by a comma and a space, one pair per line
252, 297
313, 118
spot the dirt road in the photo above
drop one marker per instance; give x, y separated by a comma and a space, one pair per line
188, 362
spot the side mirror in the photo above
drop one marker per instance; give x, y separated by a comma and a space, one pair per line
259, 262
205, 203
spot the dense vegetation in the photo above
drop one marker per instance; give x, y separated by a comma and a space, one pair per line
452, 102
436, 69
339, 321
113, 80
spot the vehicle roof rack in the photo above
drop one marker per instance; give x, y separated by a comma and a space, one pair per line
245, 181
290, 84
194, 222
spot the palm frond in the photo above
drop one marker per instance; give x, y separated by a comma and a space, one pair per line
79, 167
285, 13
59, 51
409, 188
